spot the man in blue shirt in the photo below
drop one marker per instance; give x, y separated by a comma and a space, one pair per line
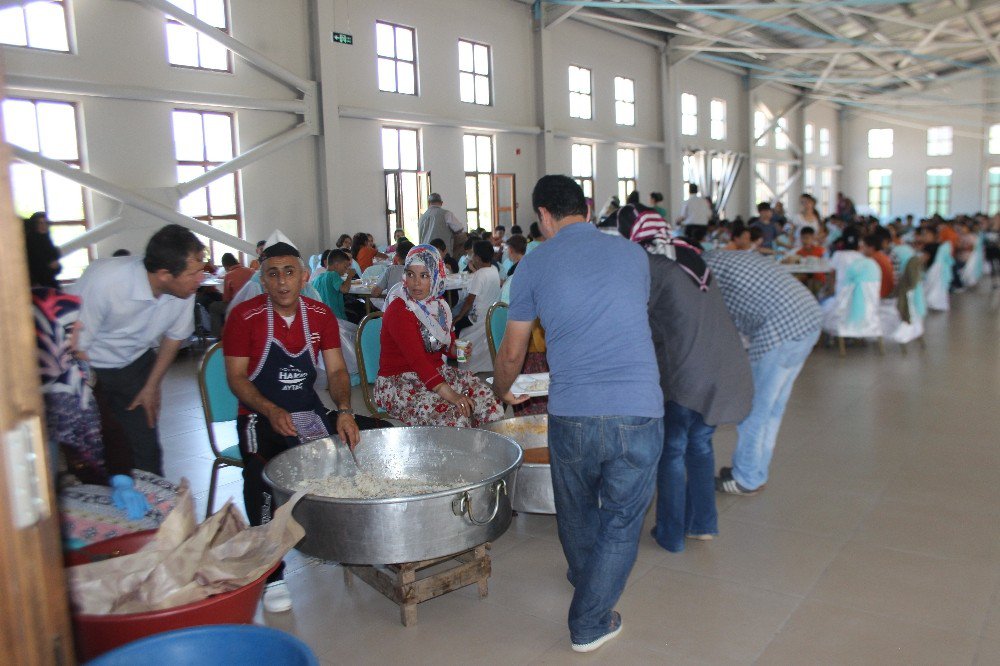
590, 291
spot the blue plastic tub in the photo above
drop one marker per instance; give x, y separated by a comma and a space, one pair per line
213, 645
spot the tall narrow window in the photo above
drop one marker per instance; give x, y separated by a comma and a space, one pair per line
762, 183
204, 140
478, 151
939, 140
186, 47
810, 180
624, 101
580, 93
48, 128
760, 127
626, 172
475, 76
993, 196
406, 185
939, 192
994, 139
396, 46
687, 176
582, 166
689, 114
880, 191
781, 183
809, 138
824, 141
717, 115
826, 190
781, 134
879, 143
37, 25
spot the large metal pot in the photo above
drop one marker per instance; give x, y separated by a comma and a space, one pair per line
532, 491
476, 465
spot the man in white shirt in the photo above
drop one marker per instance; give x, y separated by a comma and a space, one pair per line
483, 291
695, 212
131, 306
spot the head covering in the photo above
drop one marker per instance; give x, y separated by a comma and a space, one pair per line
432, 312
653, 233
434, 197
278, 245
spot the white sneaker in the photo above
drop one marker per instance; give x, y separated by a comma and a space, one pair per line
616, 624
277, 598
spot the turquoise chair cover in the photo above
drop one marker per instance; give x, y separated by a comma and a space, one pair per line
902, 255
944, 258
223, 405
370, 351
498, 323
858, 273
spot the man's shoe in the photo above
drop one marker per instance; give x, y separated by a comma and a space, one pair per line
700, 537
277, 598
725, 483
616, 628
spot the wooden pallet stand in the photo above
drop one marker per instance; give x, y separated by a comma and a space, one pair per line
405, 585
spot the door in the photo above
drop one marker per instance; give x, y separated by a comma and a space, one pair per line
504, 200
34, 620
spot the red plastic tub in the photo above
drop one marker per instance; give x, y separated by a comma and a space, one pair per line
96, 634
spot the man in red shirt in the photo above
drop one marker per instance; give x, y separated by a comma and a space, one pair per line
272, 345
871, 248
236, 277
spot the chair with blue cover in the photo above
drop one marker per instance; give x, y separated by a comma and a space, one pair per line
368, 347
220, 406
496, 324
853, 311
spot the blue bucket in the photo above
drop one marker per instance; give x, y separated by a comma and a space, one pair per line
213, 645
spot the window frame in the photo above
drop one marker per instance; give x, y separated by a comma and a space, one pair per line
993, 190
940, 141
824, 141
935, 193
478, 177
879, 195
781, 138
584, 181
626, 183
760, 121
170, 20
809, 138
396, 60
208, 165
717, 122
67, 24
476, 76
589, 94
993, 139
689, 119
621, 103
397, 176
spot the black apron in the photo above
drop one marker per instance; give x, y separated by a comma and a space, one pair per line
287, 379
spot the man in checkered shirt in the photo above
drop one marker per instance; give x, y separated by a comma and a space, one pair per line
781, 320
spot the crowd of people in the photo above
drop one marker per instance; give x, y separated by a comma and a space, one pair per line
654, 336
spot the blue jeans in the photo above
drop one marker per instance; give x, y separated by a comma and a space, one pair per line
685, 487
773, 376
603, 471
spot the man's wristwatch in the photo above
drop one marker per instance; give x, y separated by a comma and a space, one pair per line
348, 411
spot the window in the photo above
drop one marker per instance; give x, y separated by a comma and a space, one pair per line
624, 101
781, 183
474, 76
582, 166
993, 198
826, 190
810, 180
48, 128
689, 114
938, 192
479, 168
580, 103
203, 140
939, 141
406, 185
781, 134
879, 143
717, 118
626, 172
880, 191
809, 138
687, 176
994, 139
186, 47
759, 125
762, 183
37, 25
396, 47
824, 141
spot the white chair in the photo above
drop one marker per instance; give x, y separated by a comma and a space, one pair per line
893, 326
853, 311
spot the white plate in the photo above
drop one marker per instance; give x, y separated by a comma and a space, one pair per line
519, 387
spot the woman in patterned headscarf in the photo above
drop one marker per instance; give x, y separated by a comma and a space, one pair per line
414, 384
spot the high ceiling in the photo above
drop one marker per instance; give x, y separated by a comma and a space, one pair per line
856, 52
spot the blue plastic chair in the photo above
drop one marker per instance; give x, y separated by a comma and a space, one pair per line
496, 324
368, 347
220, 406
213, 645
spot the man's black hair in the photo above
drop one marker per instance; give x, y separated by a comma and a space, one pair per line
518, 243
762, 206
403, 248
516, 229
324, 258
228, 259
170, 248
633, 197
807, 231
441, 247
560, 195
483, 250
656, 196
850, 238
337, 255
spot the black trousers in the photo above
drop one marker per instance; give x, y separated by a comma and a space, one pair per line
119, 386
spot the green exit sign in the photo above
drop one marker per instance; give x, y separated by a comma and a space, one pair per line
343, 38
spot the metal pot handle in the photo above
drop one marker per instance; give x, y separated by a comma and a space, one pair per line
462, 505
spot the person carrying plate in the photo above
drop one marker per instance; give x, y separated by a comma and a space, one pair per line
273, 344
414, 383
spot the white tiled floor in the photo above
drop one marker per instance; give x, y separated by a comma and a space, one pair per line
877, 539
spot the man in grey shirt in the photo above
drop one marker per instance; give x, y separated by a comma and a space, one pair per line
705, 377
438, 222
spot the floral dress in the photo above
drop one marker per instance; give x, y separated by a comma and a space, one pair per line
405, 398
